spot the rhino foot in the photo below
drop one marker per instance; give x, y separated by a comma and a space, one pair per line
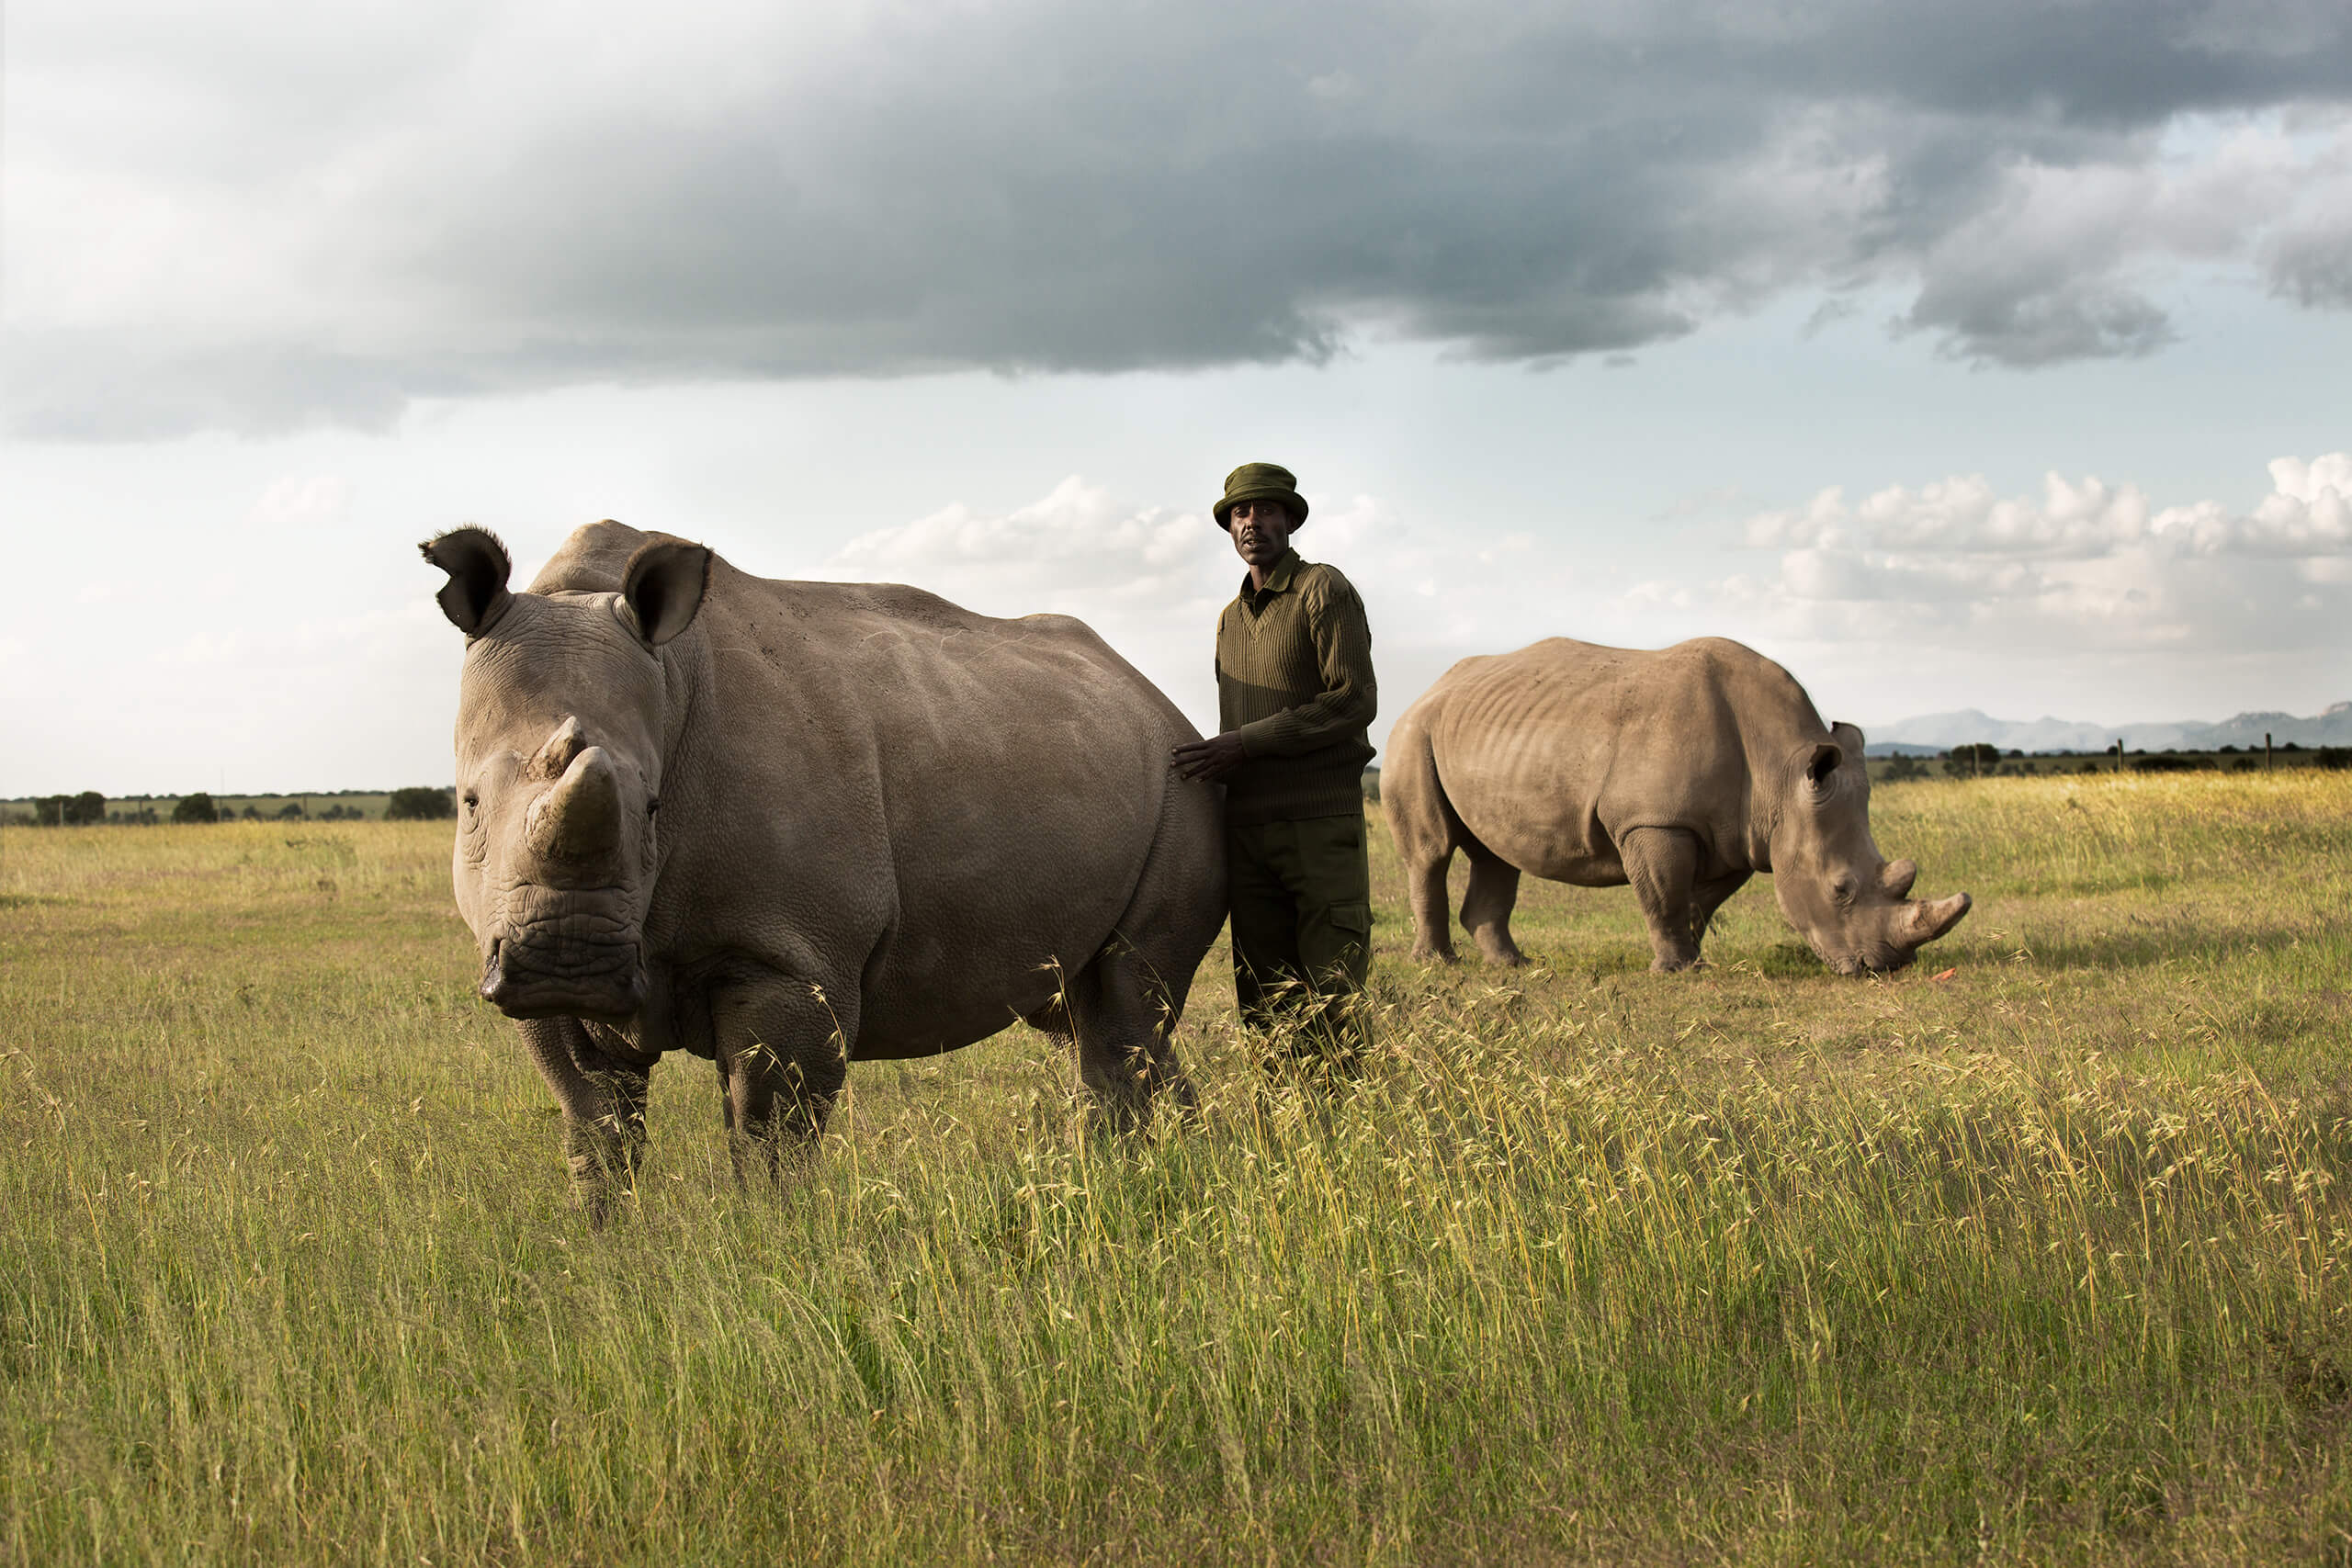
598, 1192
1501, 952
603, 1165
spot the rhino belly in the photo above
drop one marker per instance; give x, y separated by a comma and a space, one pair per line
1557, 847
988, 930
940, 984
1526, 811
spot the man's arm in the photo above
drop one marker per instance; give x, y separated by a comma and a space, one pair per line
1335, 620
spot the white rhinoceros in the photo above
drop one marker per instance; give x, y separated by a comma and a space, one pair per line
1684, 771
886, 828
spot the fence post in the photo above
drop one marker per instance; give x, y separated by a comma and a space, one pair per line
2118, 753
2267, 761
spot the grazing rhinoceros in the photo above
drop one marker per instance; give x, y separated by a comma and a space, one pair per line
886, 828
1683, 771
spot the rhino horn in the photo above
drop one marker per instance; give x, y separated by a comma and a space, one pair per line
580, 818
1931, 917
1898, 878
557, 752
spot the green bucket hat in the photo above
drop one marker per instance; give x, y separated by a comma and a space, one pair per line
1260, 481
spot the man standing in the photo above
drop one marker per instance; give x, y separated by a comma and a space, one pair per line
1294, 698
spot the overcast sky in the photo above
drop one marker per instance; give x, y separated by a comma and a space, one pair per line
1955, 355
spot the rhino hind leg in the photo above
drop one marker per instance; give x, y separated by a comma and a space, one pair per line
603, 1099
1663, 865
1427, 832
1117, 1017
1487, 903
1118, 1013
783, 1053
1425, 890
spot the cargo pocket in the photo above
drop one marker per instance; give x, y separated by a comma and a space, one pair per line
1350, 959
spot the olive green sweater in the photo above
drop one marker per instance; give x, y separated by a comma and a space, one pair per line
1294, 678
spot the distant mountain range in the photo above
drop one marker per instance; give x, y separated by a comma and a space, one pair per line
1934, 732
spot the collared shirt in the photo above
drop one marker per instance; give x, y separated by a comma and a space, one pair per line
1278, 581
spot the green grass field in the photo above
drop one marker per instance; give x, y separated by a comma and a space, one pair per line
2043, 1261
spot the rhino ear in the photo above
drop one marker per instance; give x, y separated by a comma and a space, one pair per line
1821, 766
663, 587
478, 566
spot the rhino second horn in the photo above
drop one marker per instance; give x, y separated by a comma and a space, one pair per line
1931, 917
558, 752
1898, 878
580, 818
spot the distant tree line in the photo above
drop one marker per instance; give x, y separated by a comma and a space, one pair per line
424, 803
69, 810
1984, 760
421, 803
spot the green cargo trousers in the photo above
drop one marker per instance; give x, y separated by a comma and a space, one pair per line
1301, 894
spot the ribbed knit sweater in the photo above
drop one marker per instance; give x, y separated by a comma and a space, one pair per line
1294, 678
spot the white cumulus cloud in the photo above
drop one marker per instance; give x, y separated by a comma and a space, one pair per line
1952, 587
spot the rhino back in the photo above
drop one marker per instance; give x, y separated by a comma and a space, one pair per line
943, 804
1552, 753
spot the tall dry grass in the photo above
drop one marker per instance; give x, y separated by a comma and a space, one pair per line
2042, 1262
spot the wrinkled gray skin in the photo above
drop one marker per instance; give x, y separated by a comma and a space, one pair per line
785, 824
1683, 771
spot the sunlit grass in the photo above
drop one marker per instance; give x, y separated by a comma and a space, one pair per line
2043, 1261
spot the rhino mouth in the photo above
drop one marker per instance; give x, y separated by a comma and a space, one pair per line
516, 987
1880, 962
566, 962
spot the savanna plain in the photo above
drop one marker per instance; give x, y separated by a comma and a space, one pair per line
2040, 1259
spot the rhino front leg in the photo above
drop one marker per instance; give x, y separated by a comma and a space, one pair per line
1663, 865
1487, 906
603, 1099
1708, 896
783, 1050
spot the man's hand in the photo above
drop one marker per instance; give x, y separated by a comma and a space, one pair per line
1209, 759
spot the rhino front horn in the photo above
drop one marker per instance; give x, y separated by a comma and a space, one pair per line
580, 818
1931, 917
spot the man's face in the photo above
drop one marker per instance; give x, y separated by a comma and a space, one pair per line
1261, 531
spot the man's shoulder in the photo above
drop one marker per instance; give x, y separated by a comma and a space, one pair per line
1321, 582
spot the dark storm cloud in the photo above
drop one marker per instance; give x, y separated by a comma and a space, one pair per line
261, 225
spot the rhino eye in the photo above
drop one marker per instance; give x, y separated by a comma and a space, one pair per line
652, 805
472, 800
1844, 887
